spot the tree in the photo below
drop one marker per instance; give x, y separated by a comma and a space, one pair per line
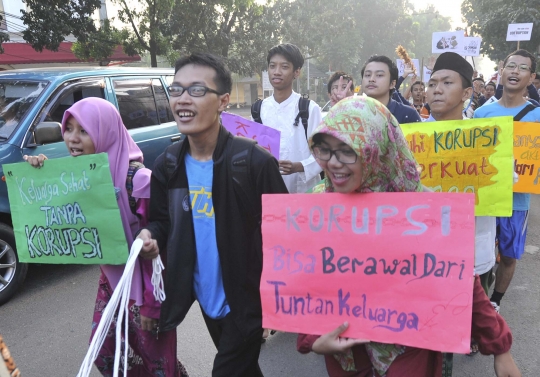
240, 31
490, 19
425, 23
49, 22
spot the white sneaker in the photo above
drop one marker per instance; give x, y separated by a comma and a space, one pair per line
495, 306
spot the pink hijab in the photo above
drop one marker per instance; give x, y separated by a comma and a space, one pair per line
101, 120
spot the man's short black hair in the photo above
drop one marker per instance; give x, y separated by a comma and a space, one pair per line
335, 77
418, 83
290, 52
526, 54
222, 79
394, 73
478, 79
491, 83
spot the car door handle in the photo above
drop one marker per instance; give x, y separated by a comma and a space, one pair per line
176, 138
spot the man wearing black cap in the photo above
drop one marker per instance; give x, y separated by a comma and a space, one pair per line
449, 87
518, 73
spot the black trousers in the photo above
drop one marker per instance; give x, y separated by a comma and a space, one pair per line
236, 356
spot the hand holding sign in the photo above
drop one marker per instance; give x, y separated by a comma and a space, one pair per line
35, 161
332, 342
66, 212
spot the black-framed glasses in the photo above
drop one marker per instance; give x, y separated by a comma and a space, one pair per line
521, 67
193, 90
345, 156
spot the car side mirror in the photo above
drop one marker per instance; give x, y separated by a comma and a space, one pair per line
47, 133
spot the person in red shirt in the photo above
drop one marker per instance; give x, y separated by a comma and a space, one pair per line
351, 127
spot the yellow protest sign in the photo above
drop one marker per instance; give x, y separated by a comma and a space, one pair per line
473, 155
527, 157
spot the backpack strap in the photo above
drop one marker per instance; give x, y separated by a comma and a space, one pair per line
240, 165
526, 110
256, 111
134, 166
303, 113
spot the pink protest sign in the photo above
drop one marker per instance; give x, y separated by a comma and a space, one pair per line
397, 266
266, 137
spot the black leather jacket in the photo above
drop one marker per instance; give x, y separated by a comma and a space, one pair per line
238, 235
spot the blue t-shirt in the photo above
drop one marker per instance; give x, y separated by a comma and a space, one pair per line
521, 202
207, 277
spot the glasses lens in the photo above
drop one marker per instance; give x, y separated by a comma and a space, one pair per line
197, 91
524, 67
346, 157
175, 91
322, 153
511, 66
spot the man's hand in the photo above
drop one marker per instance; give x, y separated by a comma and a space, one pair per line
35, 161
331, 342
341, 91
505, 366
150, 249
408, 70
287, 167
148, 324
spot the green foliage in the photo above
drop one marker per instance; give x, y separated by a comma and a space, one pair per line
50, 21
100, 44
490, 19
241, 31
426, 22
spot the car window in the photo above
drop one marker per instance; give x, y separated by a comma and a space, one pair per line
162, 102
68, 95
16, 98
136, 102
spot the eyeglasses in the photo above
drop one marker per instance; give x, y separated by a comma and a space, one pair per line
346, 156
193, 90
521, 67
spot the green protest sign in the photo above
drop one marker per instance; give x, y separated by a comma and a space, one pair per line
66, 212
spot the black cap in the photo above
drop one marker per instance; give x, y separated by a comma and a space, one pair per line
454, 62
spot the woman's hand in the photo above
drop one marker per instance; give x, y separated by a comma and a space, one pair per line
331, 342
148, 324
35, 161
505, 366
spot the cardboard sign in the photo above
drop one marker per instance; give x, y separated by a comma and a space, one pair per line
397, 266
471, 46
527, 157
473, 155
66, 212
447, 41
401, 66
266, 81
427, 74
267, 137
519, 32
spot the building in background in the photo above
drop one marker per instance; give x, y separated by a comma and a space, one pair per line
19, 54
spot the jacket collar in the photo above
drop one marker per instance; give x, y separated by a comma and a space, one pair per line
223, 135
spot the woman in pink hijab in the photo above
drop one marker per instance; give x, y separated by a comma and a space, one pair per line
93, 125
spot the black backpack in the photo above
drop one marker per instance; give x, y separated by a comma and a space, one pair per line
303, 112
239, 164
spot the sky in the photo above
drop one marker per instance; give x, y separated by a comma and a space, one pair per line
449, 8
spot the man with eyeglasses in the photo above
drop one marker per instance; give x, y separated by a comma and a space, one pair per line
518, 73
210, 228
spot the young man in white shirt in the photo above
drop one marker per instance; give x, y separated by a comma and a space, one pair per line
298, 167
